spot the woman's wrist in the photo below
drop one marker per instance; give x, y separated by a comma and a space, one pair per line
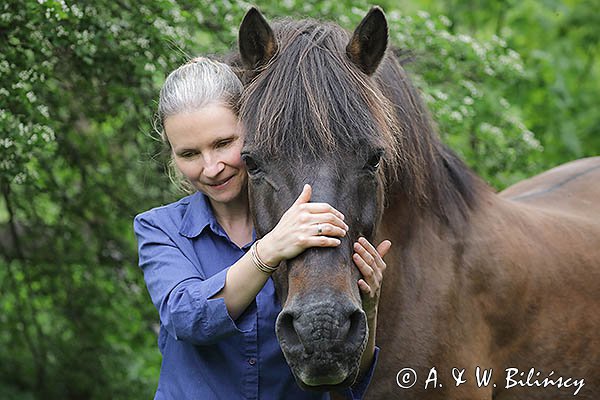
259, 263
266, 254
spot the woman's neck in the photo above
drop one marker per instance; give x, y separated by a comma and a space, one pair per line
234, 217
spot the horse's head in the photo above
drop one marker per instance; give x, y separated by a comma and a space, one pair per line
313, 115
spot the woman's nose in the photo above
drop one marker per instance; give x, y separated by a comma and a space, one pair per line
212, 167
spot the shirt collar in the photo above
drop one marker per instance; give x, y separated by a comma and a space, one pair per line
198, 215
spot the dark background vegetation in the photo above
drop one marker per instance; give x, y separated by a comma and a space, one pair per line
512, 84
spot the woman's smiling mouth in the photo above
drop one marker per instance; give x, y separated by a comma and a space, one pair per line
221, 184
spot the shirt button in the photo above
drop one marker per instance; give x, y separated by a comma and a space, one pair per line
252, 361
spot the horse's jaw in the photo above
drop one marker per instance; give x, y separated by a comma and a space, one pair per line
349, 381
324, 371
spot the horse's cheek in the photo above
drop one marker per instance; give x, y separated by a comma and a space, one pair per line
280, 281
265, 209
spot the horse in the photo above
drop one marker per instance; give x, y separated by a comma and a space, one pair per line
486, 295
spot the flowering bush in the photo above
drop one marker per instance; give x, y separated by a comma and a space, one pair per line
465, 83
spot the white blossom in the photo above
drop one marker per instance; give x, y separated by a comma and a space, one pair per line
530, 139
6, 143
456, 116
440, 95
43, 110
31, 97
423, 14
445, 21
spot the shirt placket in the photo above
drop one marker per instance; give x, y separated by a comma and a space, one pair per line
251, 362
251, 354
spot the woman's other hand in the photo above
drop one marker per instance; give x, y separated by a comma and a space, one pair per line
369, 261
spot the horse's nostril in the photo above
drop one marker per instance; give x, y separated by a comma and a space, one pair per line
286, 331
358, 328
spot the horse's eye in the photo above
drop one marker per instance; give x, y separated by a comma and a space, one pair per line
251, 165
374, 161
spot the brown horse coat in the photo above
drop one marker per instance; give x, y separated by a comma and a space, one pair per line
516, 287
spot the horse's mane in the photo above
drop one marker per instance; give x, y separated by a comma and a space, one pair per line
431, 175
311, 100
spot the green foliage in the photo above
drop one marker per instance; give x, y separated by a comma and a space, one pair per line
512, 89
560, 98
466, 83
76, 102
555, 96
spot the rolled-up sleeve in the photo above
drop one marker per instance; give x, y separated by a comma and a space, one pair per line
178, 289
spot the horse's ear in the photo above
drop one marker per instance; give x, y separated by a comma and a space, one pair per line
369, 41
256, 40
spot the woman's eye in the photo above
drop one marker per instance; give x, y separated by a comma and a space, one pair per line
223, 143
187, 154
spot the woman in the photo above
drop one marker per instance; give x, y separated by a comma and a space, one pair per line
207, 275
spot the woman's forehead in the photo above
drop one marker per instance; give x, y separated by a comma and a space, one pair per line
203, 125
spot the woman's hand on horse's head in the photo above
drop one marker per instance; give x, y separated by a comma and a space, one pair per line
302, 226
369, 261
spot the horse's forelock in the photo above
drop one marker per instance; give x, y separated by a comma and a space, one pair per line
312, 100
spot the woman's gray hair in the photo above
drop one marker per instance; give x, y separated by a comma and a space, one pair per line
194, 85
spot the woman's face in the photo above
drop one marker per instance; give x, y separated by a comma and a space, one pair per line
206, 146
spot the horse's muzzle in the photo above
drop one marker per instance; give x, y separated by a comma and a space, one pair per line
323, 341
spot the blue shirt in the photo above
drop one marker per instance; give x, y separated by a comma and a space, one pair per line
185, 254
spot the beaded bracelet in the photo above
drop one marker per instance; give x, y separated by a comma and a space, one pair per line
260, 264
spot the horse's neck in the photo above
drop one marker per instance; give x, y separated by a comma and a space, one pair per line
499, 243
408, 222
426, 246
425, 273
